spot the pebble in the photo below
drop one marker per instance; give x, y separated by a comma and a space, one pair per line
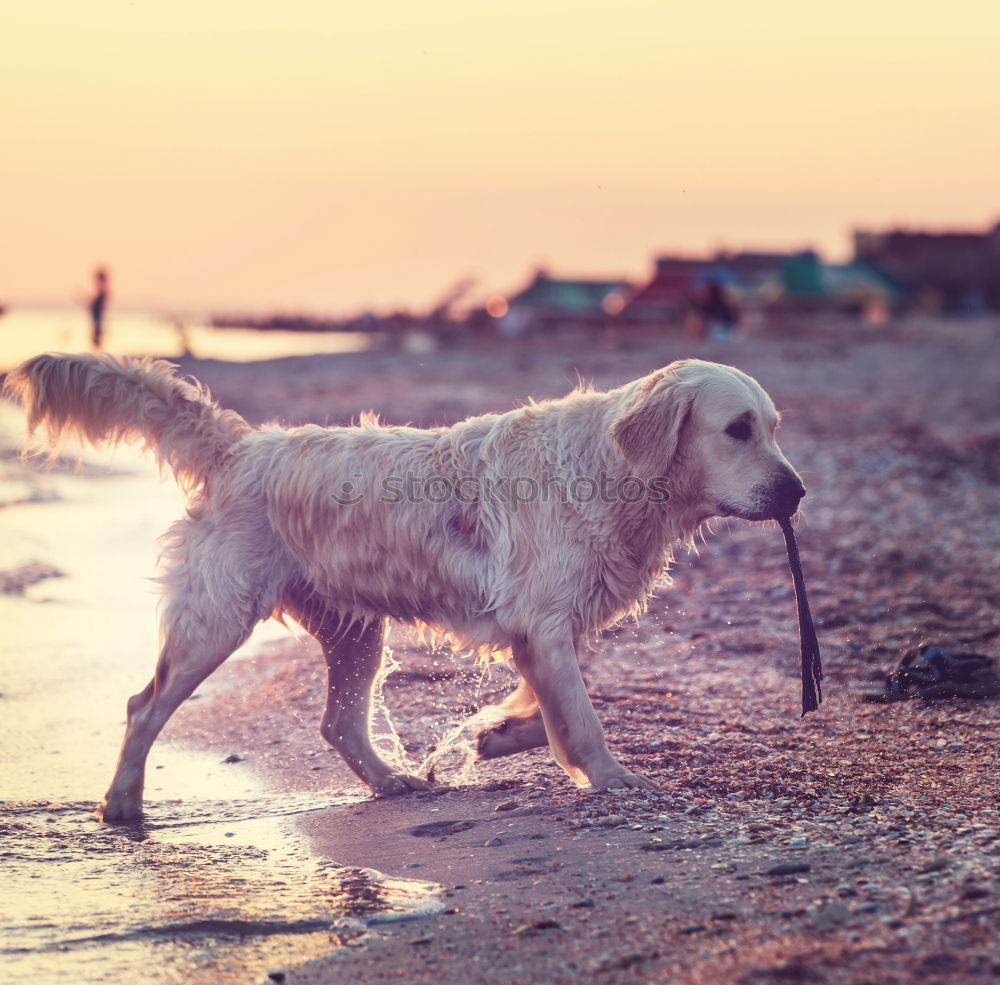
537, 925
936, 865
692, 928
975, 892
492, 843
507, 805
611, 820
831, 916
788, 869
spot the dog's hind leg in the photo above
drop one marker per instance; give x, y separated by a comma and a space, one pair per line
353, 652
213, 596
197, 640
520, 728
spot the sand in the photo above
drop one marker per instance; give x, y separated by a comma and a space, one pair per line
860, 844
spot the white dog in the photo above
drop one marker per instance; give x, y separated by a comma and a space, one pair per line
525, 531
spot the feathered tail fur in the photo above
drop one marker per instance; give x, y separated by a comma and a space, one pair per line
97, 398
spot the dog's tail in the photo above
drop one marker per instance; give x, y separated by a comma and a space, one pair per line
97, 398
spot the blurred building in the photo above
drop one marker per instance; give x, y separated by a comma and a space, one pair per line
550, 302
667, 296
954, 272
948, 272
799, 281
807, 282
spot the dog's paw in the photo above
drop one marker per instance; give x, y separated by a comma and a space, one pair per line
622, 780
397, 784
119, 812
511, 736
498, 741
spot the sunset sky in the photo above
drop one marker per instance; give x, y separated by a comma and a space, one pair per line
332, 156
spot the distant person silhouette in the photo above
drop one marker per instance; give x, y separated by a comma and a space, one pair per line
720, 316
98, 305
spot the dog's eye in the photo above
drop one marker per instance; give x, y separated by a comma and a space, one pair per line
740, 430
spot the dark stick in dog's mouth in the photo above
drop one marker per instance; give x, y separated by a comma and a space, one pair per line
812, 667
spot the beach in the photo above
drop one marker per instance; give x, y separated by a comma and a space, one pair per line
858, 844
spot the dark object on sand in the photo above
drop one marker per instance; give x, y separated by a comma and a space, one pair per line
928, 671
812, 667
15, 582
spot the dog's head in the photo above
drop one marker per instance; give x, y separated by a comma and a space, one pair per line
710, 430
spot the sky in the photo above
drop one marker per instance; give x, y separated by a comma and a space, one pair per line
333, 157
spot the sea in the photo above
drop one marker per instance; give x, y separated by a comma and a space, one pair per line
25, 332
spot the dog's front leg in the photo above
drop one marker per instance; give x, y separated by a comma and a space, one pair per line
548, 662
353, 660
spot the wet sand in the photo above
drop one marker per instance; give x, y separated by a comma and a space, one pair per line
859, 844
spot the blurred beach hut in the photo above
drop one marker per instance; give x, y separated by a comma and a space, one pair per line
750, 277
802, 279
756, 276
667, 296
551, 302
956, 272
859, 288
807, 283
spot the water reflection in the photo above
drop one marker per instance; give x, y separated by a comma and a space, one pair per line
201, 892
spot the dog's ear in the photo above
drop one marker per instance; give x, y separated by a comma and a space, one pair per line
649, 431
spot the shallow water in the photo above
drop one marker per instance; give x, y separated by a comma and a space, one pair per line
217, 885
25, 332
212, 891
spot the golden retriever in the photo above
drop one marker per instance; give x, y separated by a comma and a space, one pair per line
526, 532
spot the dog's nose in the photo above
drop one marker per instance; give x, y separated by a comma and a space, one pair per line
788, 491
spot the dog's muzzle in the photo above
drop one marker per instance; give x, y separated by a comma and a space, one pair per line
779, 498
785, 495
